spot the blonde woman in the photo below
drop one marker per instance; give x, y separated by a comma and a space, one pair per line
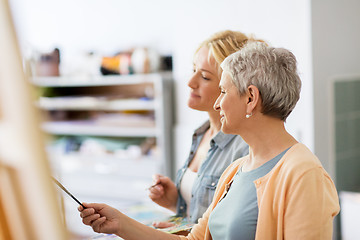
211, 151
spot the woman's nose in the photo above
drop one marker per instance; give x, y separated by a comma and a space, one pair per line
192, 83
217, 104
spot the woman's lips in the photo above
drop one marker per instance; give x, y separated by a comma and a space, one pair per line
194, 95
222, 117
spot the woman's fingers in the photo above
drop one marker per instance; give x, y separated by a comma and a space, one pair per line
86, 212
96, 224
156, 177
156, 192
89, 219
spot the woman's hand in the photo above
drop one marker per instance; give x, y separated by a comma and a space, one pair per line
105, 219
164, 192
101, 217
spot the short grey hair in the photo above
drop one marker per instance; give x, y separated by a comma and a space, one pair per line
272, 70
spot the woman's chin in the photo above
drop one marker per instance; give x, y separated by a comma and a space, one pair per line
196, 107
191, 105
225, 129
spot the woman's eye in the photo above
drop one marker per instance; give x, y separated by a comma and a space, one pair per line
205, 78
222, 92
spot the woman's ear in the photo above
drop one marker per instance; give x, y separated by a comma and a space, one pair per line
252, 98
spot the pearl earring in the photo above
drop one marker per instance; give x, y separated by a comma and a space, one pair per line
248, 115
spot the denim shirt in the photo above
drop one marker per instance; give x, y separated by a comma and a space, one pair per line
224, 149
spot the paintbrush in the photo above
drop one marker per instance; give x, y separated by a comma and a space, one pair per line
153, 186
68, 193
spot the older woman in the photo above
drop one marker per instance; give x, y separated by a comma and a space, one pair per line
280, 190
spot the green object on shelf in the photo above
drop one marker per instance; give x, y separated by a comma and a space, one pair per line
73, 143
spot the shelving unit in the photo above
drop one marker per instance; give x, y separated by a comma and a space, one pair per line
122, 106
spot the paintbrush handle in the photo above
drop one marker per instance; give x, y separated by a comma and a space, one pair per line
68, 193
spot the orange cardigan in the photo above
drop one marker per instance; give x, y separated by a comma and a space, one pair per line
297, 199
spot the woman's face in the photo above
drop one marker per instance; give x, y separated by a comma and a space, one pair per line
204, 83
231, 105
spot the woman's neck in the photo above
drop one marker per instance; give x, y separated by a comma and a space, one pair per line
266, 141
215, 124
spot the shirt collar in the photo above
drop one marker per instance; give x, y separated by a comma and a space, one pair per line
222, 139
203, 128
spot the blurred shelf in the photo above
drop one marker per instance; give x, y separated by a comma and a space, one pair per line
111, 108
93, 103
87, 81
87, 128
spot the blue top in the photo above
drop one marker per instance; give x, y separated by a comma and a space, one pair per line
224, 149
235, 216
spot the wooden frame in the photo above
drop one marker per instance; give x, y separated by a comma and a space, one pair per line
29, 206
4, 225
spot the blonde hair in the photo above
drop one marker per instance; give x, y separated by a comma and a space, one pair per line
272, 70
224, 43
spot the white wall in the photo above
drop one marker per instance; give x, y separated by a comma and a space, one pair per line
336, 52
177, 28
104, 25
